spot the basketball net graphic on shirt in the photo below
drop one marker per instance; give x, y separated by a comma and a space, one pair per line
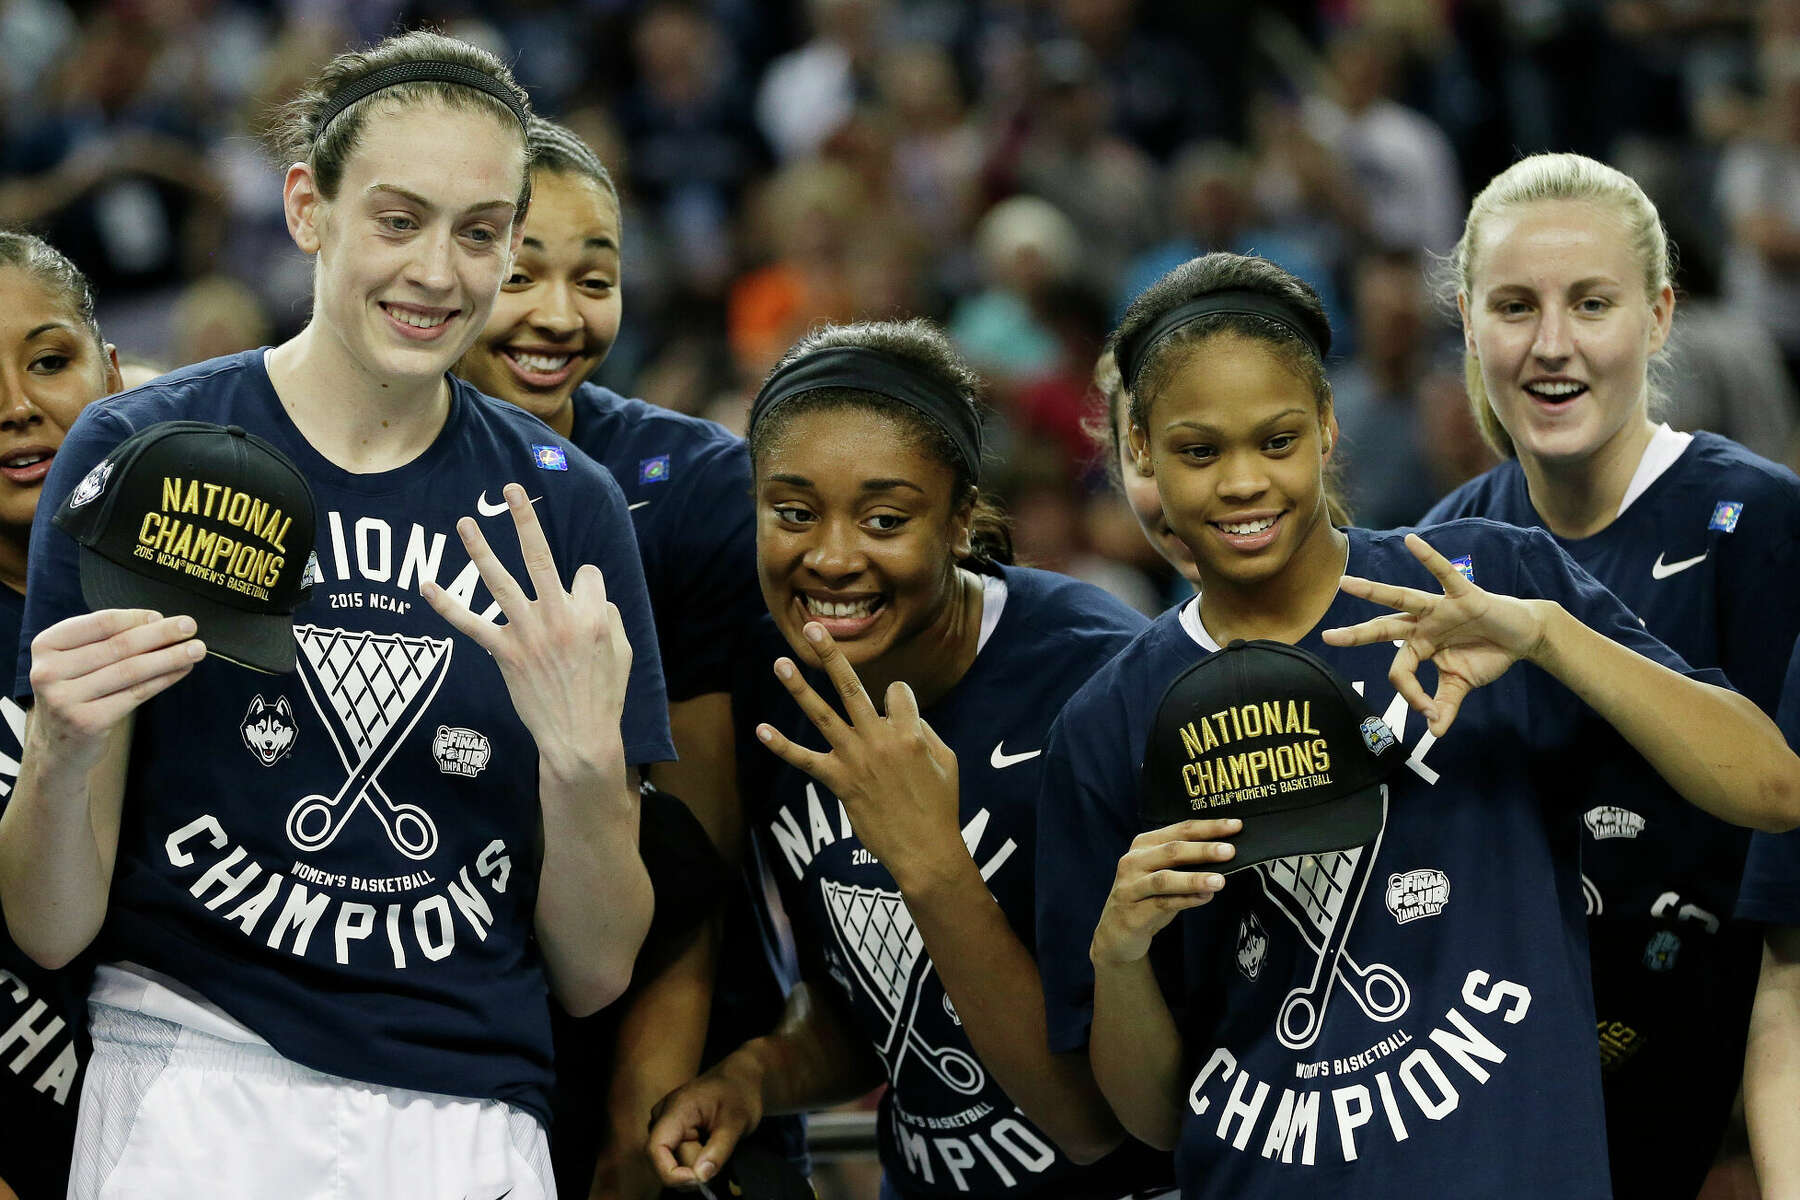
1320, 894
877, 935
370, 689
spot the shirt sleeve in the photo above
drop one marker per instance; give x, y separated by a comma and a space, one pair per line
708, 594
1547, 572
1770, 891
53, 576
1760, 562
605, 538
1086, 822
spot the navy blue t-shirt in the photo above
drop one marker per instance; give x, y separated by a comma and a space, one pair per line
1771, 889
687, 482
396, 953
1456, 1050
43, 1014
1708, 556
946, 1128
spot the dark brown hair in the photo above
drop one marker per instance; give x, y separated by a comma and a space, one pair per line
556, 148
1211, 273
54, 273
924, 347
296, 134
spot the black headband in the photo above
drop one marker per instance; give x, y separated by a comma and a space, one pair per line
1134, 351
429, 71
862, 370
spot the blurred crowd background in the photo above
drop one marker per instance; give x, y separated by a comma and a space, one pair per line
1016, 169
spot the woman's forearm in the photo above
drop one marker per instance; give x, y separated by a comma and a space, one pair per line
1136, 1052
58, 840
1772, 1067
1713, 746
993, 981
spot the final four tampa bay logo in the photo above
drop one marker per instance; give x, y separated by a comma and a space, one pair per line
1415, 894
1606, 821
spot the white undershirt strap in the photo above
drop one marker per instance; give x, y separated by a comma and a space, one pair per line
993, 599
1190, 623
1666, 445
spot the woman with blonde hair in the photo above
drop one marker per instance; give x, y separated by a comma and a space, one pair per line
1564, 279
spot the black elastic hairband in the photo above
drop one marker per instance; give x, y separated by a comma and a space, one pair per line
1133, 352
863, 370
429, 71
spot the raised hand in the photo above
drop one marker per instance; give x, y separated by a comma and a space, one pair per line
1164, 873
90, 671
1470, 635
896, 778
563, 654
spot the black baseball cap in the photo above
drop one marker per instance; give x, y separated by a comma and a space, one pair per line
1265, 732
204, 520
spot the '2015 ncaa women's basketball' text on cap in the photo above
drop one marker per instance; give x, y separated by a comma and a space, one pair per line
204, 520
1265, 732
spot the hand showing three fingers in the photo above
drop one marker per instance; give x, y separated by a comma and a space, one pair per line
1470, 635
896, 778
563, 653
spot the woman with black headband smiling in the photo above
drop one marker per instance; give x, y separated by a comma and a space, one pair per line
902, 728
1409, 1014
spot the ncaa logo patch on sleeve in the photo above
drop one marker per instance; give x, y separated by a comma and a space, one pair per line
654, 470
549, 458
1725, 515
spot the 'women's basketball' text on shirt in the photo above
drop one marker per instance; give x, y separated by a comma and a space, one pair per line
395, 947
1454, 1052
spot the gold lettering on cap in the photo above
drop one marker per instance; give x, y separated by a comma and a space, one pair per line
1300, 761
239, 564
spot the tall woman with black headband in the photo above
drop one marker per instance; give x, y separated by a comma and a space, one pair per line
357, 1005
889, 763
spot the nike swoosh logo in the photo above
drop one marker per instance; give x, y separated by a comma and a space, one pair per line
635, 507
493, 510
1661, 570
1001, 759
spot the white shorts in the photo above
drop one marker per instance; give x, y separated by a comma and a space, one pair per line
170, 1111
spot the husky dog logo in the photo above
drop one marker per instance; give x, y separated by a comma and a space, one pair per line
885, 951
1416, 894
1320, 894
269, 730
369, 689
1252, 946
1610, 821
460, 751
92, 484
